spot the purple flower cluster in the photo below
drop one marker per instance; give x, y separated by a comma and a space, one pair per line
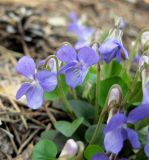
116, 132
39, 81
83, 32
77, 63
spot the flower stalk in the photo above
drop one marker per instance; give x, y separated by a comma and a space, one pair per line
61, 91
97, 93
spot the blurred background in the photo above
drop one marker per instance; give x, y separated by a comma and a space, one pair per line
37, 28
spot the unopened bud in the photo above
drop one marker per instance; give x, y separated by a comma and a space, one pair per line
115, 97
70, 149
80, 150
145, 39
144, 60
144, 68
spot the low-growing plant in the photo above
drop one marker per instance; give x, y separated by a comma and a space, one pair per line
106, 103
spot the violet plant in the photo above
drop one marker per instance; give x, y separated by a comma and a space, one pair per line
106, 104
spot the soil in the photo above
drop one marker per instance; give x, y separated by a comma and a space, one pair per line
37, 28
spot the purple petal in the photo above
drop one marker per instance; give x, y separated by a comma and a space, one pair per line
26, 67
146, 95
133, 138
100, 157
66, 54
47, 80
138, 114
108, 46
126, 54
124, 159
73, 16
88, 56
22, 90
118, 56
146, 150
35, 96
113, 141
81, 44
67, 67
75, 76
116, 121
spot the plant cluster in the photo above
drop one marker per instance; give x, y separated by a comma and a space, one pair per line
106, 102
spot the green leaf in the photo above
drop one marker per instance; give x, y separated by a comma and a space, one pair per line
67, 128
82, 109
89, 134
111, 69
52, 96
91, 150
115, 69
44, 150
51, 134
136, 96
105, 86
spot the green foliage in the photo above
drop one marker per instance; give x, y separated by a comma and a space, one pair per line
67, 128
105, 86
89, 133
91, 150
44, 150
82, 109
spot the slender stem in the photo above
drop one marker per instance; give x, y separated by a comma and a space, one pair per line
74, 94
97, 93
64, 99
129, 92
96, 133
60, 89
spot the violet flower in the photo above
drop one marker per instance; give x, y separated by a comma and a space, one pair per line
112, 48
77, 63
116, 131
83, 32
39, 82
99, 156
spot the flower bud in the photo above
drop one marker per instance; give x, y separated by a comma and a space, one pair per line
70, 148
115, 97
80, 150
145, 40
144, 61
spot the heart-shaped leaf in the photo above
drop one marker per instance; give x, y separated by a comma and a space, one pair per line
67, 128
82, 109
44, 150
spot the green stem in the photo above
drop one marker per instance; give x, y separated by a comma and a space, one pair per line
129, 92
64, 99
97, 93
101, 117
74, 94
96, 133
60, 89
